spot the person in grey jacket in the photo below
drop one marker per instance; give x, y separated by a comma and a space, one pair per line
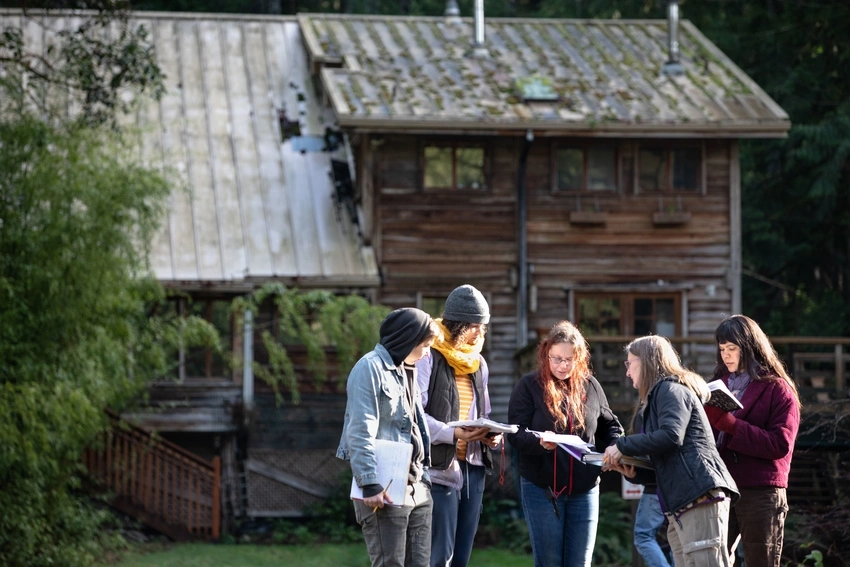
384, 403
694, 488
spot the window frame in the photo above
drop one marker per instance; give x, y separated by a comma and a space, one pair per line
455, 145
584, 146
627, 307
668, 148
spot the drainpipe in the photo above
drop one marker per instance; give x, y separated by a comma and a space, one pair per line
248, 361
673, 67
522, 252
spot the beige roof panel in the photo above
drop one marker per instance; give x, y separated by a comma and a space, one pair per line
246, 206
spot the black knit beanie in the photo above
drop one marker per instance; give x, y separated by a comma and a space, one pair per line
403, 330
466, 305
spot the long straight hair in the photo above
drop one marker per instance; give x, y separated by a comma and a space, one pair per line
565, 398
658, 359
758, 357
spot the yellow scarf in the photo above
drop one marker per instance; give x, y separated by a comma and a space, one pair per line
463, 360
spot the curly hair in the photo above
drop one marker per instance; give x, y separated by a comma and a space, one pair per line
458, 331
565, 399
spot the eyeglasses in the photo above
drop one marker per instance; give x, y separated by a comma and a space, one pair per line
559, 361
628, 363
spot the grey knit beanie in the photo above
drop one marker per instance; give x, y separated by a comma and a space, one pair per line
466, 305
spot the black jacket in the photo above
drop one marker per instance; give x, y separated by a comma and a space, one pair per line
444, 405
677, 438
526, 409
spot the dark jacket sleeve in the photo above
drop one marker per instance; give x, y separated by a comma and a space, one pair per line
521, 410
775, 440
670, 407
608, 428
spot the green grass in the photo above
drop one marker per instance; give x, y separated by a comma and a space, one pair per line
217, 555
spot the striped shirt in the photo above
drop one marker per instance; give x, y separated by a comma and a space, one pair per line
466, 395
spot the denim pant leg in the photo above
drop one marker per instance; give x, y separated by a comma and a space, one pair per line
469, 512
648, 519
582, 518
565, 542
443, 524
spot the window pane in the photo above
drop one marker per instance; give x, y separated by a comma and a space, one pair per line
470, 168
653, 170
433, 306
570, 164
686, 164
600, 168
438, 167
643, 307
665, 323
599, 316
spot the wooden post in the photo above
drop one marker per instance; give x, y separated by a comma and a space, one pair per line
839, 368
216, 498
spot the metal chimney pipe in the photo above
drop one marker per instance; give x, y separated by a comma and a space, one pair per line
452, 9
478, 47
673, 66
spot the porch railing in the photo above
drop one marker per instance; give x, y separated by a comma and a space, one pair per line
157, 482
818, 365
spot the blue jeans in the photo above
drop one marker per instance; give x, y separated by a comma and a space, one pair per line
455, 520
648, 520
564, 542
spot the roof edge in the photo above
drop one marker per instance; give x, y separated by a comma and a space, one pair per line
776, 129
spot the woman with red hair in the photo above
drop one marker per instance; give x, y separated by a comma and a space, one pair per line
560, 495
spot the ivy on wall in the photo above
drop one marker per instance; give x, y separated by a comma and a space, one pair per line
318, 320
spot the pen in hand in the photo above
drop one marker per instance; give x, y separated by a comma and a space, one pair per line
389, 484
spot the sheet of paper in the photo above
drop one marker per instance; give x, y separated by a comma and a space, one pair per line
482, 422
393, 459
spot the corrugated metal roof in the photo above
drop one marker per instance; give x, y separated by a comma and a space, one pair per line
251, 208
418, 72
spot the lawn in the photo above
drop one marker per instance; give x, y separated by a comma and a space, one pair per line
219, 555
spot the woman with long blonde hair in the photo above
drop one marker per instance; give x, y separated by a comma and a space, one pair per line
694, 488
560, 494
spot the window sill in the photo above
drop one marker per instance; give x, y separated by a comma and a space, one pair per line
671, 219
588, 218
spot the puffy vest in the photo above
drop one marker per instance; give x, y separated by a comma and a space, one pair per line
444, 405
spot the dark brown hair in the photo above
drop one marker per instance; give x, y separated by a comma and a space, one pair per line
458, 331
758, 357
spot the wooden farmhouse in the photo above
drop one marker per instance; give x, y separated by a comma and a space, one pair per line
570, 169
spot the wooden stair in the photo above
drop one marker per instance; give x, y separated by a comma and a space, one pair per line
156, 482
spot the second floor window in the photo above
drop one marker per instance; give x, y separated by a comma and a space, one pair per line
454, 167
590, 168
670, 169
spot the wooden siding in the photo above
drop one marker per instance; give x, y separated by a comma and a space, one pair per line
428, 242
431, 242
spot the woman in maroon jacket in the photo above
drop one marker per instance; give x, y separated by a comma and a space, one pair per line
756, 442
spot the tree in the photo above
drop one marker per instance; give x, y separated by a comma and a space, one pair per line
77, 332
93, 64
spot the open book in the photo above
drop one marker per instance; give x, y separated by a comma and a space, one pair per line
574, 445
721, 397
495, 427
393, 460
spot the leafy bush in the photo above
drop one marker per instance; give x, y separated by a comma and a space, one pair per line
77, 335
